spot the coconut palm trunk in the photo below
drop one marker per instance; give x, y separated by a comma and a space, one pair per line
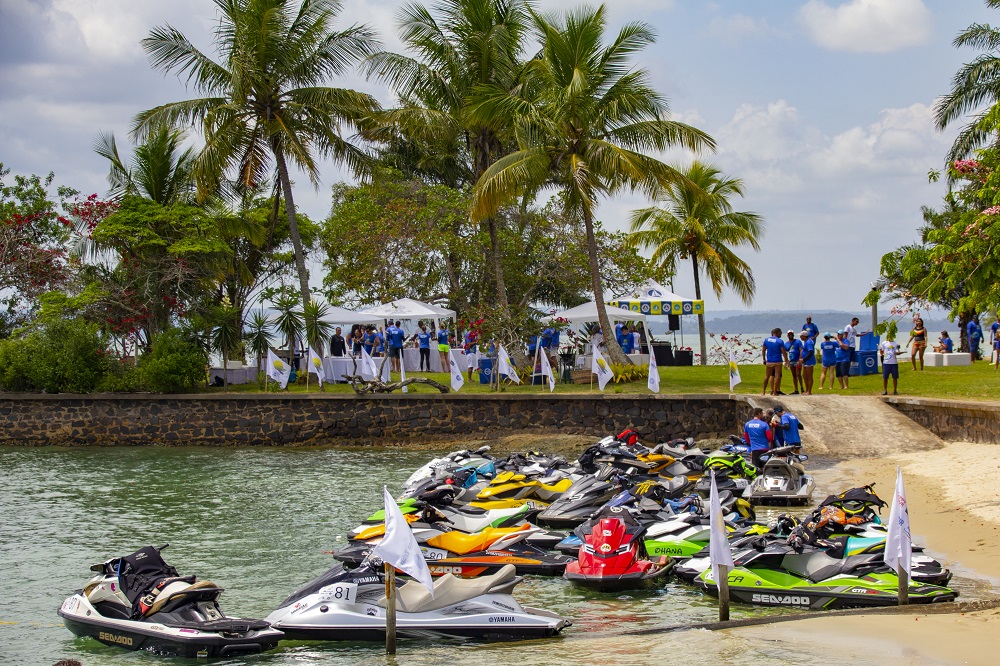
701, 316
615, 352
293, 225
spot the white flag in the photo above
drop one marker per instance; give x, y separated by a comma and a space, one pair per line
734, 371
316, 366
547, 371
368, 368
653, 384
457, 380
399, 548
277, 369
386, 370
402, 372
601, 368
718, 546
505, 367
898, 543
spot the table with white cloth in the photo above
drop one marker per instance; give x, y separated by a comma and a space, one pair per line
244, 375
411, 359
336, 367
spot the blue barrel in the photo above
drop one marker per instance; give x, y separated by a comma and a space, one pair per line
865, 363
868, 342
485, 370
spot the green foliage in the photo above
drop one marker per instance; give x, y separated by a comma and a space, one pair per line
258, 335
316, 330
226, 332
175, 363
60, 356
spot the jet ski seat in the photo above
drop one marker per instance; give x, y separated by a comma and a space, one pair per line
413, 597
179, 590
462, 543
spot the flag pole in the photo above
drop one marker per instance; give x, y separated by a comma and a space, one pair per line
723, 584
390, 609
308, 363
902, 589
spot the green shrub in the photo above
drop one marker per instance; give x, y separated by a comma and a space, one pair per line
175, 364
121, 378
60, 356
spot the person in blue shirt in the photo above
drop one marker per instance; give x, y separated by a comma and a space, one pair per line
380, 341
828, 357
625, 341
975, 335
794, 349
775, 357
843, 359
444, 346
811, 329
369, 340
945, 344
807, 361
757, 434
396, 337
786, 428
423, 338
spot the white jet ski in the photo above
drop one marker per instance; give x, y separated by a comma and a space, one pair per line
139, 602
349, 605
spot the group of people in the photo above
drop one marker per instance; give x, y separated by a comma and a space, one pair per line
974, 334
390, 341
770, 429
798, 353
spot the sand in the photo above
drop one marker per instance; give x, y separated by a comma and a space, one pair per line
954, 498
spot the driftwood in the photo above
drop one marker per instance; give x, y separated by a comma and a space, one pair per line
364, 386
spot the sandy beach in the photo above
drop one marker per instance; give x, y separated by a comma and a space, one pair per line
955, 514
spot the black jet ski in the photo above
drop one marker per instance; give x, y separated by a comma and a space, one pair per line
139, 602
584, 498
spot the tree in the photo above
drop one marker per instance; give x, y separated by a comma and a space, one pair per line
469, 44
976, 84
696, 221
583, 119
226, 334
266, 99
160, 169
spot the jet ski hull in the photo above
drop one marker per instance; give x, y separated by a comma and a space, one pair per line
84, 620
616, 583
525, 558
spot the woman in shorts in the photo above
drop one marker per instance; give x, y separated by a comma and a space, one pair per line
918, 338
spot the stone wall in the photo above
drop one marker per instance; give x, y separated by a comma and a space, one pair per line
221, 420
953, 420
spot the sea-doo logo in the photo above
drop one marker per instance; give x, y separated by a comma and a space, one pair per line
616, 509
447, 570
140, 556
113, 638
502, 618
779, 600
371, 612
605, 547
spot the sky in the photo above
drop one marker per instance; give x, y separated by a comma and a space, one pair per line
824, 109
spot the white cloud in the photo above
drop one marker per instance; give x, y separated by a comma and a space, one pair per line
736, 27
867, 26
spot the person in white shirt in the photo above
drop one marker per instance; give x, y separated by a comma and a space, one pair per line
889, 351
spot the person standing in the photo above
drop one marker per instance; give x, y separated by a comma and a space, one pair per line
338, 346
851, 334
994, 331
807, 362
444, 346
786, 427
396, 337
811, 329
996, 352
889, 352
471, 348
757, 434
828, 356
974, 332
370, 340
794, 349
918, 336
775, 356
423, 337
843, 360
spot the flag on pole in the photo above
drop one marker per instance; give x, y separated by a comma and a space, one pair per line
734, 371
601, 368
277, 369
457, 380
653, 383
368, 368
316, 366
718, 544
402, 372
399, 548
505, 367
547, 371
386, 370
898, 543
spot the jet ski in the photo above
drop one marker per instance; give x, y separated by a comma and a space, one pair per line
462, 518
349, 605
474, 554
733, 473
809, 577
783, 479
583, 499
139, 602
517, 485
612, 556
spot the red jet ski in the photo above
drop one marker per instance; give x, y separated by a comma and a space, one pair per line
613, 555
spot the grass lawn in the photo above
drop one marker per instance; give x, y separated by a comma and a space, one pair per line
978, 382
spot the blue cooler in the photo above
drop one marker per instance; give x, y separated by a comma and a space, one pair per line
868, 342
485, 370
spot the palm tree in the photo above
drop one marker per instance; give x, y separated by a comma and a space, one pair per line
159, 169
696, 221
976, 84
470, 44
265, 98
226, 334
584, 118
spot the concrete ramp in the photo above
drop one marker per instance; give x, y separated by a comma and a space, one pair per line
852, 426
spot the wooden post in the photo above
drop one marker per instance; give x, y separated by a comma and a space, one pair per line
390, 609
723, 584
902, 590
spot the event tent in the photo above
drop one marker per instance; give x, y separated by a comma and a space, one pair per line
588, 312
339, 315
653, 298
407, 308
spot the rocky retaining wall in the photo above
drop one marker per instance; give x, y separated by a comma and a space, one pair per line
953, 420
221, 420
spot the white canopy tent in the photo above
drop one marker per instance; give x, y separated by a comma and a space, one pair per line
588, 312
339, 315
407, 308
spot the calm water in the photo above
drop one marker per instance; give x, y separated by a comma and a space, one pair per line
257, 522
